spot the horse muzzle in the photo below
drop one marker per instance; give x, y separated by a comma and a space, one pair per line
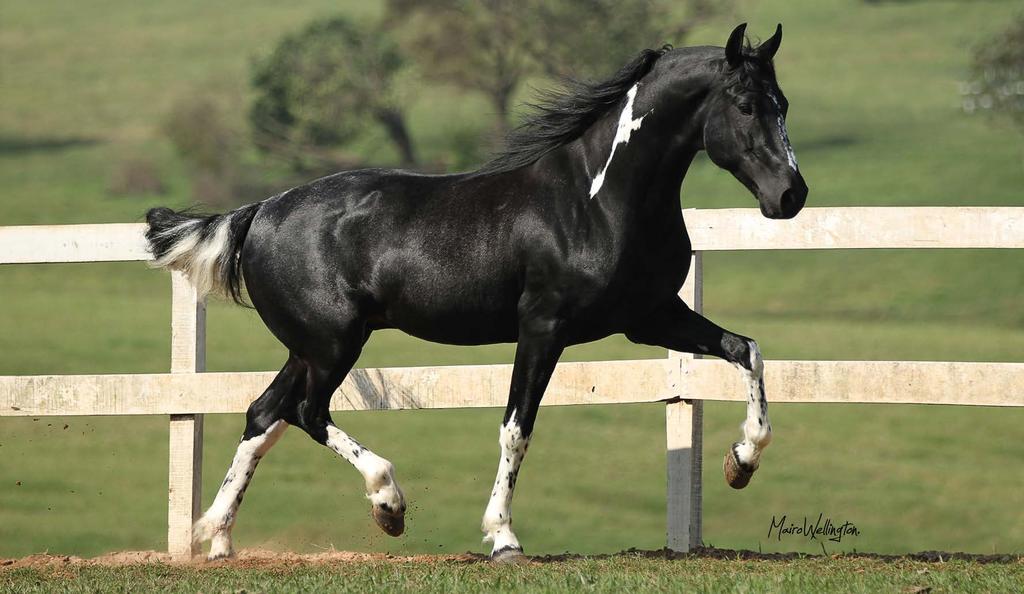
787, 203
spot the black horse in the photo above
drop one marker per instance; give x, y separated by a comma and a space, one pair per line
572, 234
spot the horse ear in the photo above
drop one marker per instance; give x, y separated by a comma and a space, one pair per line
734, 47
766, 51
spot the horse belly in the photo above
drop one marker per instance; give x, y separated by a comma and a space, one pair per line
453, 307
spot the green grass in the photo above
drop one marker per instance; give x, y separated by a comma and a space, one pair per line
618, 574
594, 483
875, 121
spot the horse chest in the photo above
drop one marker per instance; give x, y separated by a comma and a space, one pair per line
605, 290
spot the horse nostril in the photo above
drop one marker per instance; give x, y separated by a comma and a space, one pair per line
787, 200
791, 202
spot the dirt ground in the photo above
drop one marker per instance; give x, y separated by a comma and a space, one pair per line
243, 559
258, 558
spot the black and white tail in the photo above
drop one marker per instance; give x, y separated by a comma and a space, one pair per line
204, 247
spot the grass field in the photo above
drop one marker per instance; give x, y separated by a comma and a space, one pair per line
622, 573
875, 121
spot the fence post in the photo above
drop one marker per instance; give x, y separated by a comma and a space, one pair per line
684, 430
185, 453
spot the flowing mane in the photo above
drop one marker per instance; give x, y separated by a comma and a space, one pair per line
564, 114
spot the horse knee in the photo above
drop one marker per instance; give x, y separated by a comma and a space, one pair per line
743, 352
754, 359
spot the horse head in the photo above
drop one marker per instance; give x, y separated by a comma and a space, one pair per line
745, 127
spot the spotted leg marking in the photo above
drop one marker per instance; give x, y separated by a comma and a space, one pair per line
757, 429
217, 522
382, 489
744, 457
497, 522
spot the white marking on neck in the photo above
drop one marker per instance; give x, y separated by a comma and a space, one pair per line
627, 124
783, 135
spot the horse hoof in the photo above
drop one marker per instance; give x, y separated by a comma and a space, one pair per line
508, 555
220, 555
391, 523
736, 474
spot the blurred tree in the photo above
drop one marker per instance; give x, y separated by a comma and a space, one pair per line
199, 133
997, 75
491, 46
134, 176
594, 38
320, 87
210, 148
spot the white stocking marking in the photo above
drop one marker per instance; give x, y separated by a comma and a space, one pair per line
381, 488
627, 124
216, 523
497, 522
757, 430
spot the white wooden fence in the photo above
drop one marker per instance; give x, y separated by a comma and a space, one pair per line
681, 381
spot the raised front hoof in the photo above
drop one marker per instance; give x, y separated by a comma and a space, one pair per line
393, 524
508, 555
736, 473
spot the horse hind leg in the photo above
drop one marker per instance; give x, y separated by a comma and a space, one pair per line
386, 497
265, 423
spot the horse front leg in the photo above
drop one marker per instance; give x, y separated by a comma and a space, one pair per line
536, 356
675, 326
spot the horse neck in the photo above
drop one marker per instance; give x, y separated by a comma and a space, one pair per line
636, 156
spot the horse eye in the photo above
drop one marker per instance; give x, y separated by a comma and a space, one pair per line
746, 109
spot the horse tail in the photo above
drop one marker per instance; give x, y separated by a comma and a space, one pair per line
205, 247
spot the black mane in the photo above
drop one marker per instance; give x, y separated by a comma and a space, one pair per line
562, 115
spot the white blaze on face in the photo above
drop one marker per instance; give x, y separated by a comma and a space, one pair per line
783, 135
627, 124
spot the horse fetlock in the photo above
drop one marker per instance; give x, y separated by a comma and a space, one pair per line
494, 520
747, 455
220, 546
389, 497
383, 489
215, 528
387, 500
757, 434
208, 526
500, 535
378, 473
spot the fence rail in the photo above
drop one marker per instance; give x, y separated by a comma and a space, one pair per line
476, 386
682, 381
723, 229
